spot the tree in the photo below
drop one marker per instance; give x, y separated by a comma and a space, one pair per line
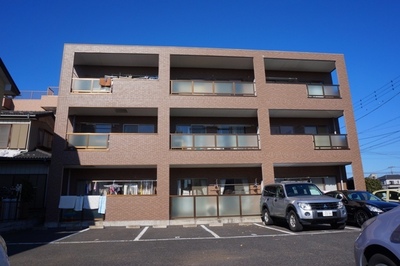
372, 184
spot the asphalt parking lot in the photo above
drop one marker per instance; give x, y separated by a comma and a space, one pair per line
229, 244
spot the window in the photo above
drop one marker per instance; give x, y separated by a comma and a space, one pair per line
192, 187
14, 136
4, 136
234, 186
95, 128
138, 128
213, 129
283, 130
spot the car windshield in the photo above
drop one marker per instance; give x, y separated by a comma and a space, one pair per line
302, 190
362, 195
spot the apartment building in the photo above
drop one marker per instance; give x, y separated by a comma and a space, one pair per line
148, 135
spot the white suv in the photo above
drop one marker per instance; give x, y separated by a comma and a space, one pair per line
301, 204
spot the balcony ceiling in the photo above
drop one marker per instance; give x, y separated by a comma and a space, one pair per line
274, 64
306, 113
310, 164
216, 62
114, 59
212, 112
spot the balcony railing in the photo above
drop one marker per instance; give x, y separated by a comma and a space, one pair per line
214, 206
200, 87
323, 91
330, 142
85, 85
214, 141
88, 140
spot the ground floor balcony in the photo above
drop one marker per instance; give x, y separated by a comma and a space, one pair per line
214, 206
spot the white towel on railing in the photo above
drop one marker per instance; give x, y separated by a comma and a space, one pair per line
67, 202
91, 202
102, 204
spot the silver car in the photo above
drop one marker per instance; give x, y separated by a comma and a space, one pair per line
3, 253
379, 241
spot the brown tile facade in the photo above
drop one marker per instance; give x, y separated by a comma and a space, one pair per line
142, 94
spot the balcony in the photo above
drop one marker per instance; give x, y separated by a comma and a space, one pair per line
88, 140
323, 91
215, 141
202, 87
214, 206
330, 142
86, 85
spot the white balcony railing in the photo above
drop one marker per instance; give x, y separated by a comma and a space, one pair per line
201, 87
330, 142
88, 140
214, 141
86, 85
323, 91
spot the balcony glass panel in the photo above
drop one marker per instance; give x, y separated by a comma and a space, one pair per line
206, 206
226, 141
82, 85
98, 141
181, 141
202, 87
181, 86
332, 91
85, 141
229, 206
315, 90
244, 88
77, 141
322, 140
248, 141
182, 207
250, 204
204, 141
339, 140
223, 87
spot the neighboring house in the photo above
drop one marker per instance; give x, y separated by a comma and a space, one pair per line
149, 135
25, 154
390, 181
8, 88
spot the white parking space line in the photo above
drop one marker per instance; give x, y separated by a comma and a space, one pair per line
353, 228
276, 229
211, 232
141, 233
61, 239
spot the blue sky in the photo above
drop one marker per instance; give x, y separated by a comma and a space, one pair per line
365, 31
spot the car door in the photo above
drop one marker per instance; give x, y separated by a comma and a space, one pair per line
278, 202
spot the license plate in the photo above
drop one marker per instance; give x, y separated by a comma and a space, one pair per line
327, 213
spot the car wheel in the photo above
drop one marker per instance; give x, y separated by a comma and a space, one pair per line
380, 259
294, 223
338, 226
361, 217
266, 217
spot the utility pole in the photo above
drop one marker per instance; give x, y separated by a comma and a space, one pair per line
391, 169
